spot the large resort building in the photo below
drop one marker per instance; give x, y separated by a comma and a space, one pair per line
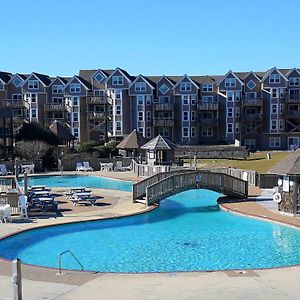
260, 110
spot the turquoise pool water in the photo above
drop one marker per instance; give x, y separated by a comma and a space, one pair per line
79, 180
187, 232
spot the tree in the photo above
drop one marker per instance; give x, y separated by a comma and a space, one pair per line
31, 150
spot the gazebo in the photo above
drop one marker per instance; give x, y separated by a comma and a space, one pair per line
131, 145
159, 151
65, 137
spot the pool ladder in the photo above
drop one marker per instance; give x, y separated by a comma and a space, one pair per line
59, 260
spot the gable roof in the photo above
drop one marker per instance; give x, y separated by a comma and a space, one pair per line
145, 79
189, 78
85, 83
270, 71
61, 79
291, 71
234, 75
132, 141
123, 72
5, 76
251, 73
21, 76
61, 132
167, 78
158, 143
44, 79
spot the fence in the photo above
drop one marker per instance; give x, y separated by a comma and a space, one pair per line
267, 181
148, 170
10, 192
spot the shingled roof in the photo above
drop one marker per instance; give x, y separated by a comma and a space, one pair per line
59, 130
289, 165
158, 143
133, 141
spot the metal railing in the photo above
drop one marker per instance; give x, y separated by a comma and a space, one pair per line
59, 260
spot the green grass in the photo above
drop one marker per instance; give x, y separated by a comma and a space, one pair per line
256, 161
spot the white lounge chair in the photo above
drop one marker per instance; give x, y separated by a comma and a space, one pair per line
5, 213
23, 206
79, 166
87, 167
4, 171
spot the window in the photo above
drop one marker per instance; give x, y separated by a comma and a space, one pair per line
76, 132
17, 81
207, 87
237, 127
273, 124
251, 85
33, 113
207, 98
117, 80
237, 112
281, 125
118, 94
57, 89
185, 115
250, 95
281, 108
98, 77
193, 131
140, 86
57, 100
141, 130
230, 82
229, 112
282, 92
148, 116
163, 89
294, 81
141, 116
164, 99
118, 126
98, 93
33, 98
274, 78
17, 96
251, 127
75, 101
164, 131
193, 100
229, 96
148, 100
185, 100
185, 86
274, 93
185, 132
140, 100
207, 131
250, 143
33, 84
148, 132
75, 88
75, 117
118, 109
274, 142
229, 128
193, 115
274, 109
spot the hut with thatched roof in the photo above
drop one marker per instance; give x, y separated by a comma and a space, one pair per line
159, 151
131, 145
65, 137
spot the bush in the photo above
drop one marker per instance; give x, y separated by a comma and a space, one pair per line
87, 147
31, 150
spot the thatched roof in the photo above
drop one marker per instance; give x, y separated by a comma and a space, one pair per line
133, 141
62, 133
159, 143
289, 165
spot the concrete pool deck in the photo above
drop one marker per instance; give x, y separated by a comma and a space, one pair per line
43, 283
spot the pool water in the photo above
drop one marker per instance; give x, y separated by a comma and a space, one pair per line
188, 232
79, 180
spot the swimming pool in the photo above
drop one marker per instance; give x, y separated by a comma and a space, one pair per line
79, 180
188, 232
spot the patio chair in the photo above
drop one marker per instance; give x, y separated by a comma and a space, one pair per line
119, 166
23, 206
87, 167
4, 171
5, 213
79, 166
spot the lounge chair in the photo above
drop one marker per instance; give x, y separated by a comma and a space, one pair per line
119, 166
79, 166
4, 171
87, 167
5, 213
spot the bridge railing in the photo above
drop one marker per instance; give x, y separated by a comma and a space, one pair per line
177, 183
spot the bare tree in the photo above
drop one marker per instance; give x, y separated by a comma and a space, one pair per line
31, 150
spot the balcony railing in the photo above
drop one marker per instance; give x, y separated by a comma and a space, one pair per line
208, 106
257, 117
96, 115
163, 122
208, 121
98, 100
55, 107
252, 102
163, 106
13, 103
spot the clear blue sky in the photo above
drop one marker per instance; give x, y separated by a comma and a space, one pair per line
59, 37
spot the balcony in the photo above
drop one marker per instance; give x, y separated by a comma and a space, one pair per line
208, 121
293, 98
252, 102
96, 115
208, 106
55, 107
163, 122
163, 106
18, 119
99, 100
13, 103
257, 117
292, 114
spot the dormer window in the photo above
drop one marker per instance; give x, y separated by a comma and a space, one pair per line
294, 81
17, 82
33, 84
140, 86
251, 85
98, 77
230, 82
57, 89
75, 88
117, 80
185, 86
274, 78
207, 87
163, 89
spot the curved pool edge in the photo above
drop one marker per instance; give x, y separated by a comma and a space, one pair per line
149, 209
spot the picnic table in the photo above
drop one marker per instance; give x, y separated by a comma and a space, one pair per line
37, 187
106, 166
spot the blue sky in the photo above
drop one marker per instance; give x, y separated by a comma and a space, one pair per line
59, 37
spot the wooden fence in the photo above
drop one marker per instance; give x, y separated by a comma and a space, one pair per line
267, 181
148, 170
177, 183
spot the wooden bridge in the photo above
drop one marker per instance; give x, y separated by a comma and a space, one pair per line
157, 187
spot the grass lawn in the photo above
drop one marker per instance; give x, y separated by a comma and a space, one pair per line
256, 161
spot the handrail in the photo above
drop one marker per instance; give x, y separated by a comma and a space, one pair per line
59, 260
